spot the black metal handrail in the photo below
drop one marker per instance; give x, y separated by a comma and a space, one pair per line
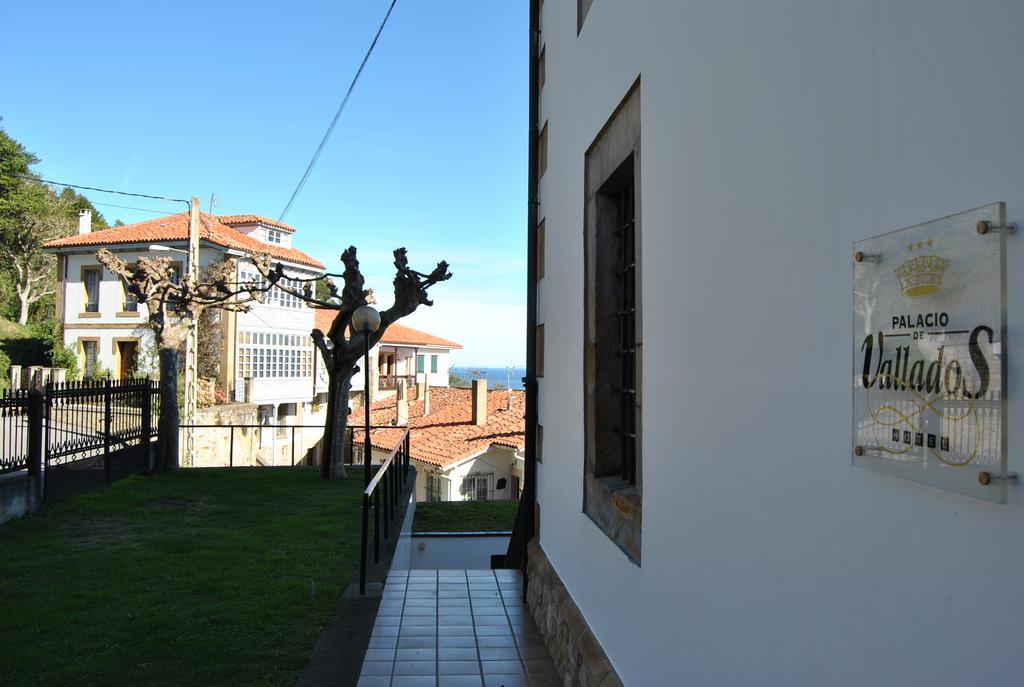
390, 479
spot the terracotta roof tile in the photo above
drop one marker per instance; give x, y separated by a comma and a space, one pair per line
396, 334
241, 220
175, 228
448, 434
407, 336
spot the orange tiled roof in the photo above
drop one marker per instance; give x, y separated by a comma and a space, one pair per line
396, 334
407, 336
448, 434
175, 228
232, 220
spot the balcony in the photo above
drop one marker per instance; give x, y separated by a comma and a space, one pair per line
390, 382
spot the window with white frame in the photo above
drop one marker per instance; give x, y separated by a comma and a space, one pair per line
276, 295
478, 487
274, 236
274, 355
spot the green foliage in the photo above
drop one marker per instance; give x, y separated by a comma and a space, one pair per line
98, 373
457, 381
5, 368
31, 213
25, 345
199, 577
322, 292
64, 357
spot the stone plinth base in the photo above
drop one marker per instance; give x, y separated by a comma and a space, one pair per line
577, 655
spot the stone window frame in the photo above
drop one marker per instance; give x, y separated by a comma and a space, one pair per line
540, 250
98, 271
582, 8
542, 151
540, 350
613, 504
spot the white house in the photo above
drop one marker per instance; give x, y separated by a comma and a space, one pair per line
700, 509
467, 447
406, 354
267, 355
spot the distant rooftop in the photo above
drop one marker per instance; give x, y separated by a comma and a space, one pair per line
396, 334
242, 220
448, 435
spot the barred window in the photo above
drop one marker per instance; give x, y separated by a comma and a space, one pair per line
612, 346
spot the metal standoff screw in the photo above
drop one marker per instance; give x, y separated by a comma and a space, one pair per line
858, 450
983, 227
986, 478
861, 256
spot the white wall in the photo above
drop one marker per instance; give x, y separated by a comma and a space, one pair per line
79, 325
454, 553
773, 136
406, 363
499, 461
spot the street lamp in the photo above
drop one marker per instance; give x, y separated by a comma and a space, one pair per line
366, 319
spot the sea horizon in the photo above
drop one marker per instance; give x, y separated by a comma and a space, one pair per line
494, 375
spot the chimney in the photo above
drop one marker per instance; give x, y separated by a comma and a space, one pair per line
426, 400
479, 402
84, 221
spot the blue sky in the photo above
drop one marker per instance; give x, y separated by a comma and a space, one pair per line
231, 98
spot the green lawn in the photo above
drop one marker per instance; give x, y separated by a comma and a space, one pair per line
465, 516
202, 577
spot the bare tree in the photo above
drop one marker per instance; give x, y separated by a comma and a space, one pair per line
340, 347
173, 304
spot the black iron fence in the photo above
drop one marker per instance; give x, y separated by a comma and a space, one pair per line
382, 496
78, 435
14, 431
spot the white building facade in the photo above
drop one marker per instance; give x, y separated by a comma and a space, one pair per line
751, 144
267, 355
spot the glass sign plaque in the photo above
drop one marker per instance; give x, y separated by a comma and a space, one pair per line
929, 319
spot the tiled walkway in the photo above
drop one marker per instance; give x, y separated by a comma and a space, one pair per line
456, 628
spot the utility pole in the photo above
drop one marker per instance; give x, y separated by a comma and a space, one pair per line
192, 340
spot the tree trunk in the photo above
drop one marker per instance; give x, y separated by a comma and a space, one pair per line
169, 424
327, 441
23, 314
340, 419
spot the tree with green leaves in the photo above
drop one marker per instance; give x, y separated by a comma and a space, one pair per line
31, 213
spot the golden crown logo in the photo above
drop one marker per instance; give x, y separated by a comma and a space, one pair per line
921, 276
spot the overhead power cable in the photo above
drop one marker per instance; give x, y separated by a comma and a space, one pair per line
337, 115
126, 207
102, 190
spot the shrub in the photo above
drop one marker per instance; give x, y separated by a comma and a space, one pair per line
5, 370
64, 356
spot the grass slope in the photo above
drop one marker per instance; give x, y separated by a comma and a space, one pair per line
465, 516
201, 577
12, 330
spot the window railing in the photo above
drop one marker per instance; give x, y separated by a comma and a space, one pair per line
383, 496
